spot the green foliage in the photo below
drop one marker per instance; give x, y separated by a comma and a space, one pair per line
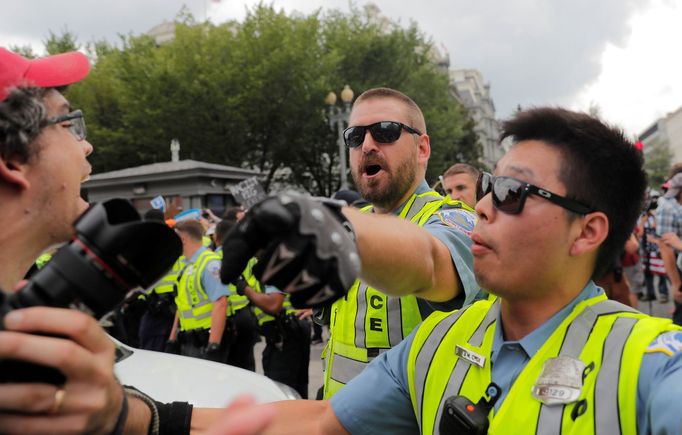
66, 41
24, 50
250, 94
658, 158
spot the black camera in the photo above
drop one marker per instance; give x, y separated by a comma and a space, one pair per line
112, 252
652, 204
462, 416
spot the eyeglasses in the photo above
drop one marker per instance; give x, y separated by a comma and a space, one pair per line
77, 127
509, 194
382, 132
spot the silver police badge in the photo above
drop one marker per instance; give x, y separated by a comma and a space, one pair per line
560, 382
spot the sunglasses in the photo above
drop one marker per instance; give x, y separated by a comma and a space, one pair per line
77, 127
509, 194
382, 132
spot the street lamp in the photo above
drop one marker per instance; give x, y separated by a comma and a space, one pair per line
338, 118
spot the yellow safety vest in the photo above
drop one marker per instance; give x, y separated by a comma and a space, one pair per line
168, 282
235, 302
194, 305
367, 322
607, 401
261, 315
43, 260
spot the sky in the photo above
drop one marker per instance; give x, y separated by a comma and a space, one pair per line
621, 56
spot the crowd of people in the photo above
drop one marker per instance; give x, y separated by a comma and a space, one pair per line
473, 312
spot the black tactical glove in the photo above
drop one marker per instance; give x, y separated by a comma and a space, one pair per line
240, 285
309, 245
172, 346
213, 352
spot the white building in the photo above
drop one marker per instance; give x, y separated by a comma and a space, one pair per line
474, 93
162, 33
666, 131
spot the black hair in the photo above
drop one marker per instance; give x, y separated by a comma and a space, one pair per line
601, 168
22, 116
222, 228
154, 214
232, 212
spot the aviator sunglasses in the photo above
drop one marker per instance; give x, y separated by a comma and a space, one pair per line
382, 132
509, 194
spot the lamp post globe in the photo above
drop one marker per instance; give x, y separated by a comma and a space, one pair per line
338, 118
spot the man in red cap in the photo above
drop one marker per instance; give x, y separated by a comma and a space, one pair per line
43, 161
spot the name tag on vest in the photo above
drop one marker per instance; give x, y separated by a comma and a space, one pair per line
469, 356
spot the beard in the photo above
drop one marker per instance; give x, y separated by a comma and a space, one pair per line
396, 184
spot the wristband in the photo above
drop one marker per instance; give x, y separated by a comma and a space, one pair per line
122, 416
174, 418
154, 424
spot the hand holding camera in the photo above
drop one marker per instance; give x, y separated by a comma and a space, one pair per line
113, 251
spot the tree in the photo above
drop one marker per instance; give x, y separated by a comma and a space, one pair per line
24, 50
66, 41
251, 93
657, 160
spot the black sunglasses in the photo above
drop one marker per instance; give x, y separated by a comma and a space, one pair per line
382, 132
509, 194
77, 127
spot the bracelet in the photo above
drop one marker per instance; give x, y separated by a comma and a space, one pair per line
154, 424
122, 417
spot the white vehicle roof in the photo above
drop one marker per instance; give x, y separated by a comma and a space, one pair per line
174, 378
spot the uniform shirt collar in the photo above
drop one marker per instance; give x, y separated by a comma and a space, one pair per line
531, 343
197, 254
422, 188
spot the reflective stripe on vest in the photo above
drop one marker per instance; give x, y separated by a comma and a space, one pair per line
168, 282
235, 302
599, 332
250, 278
194, 305
367, 322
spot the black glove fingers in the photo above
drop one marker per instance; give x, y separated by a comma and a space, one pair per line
256, 229
280, 263
310, 288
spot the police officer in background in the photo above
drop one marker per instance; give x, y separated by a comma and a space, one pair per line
240, 316
157, 320
201, 299
459, 183
286, 356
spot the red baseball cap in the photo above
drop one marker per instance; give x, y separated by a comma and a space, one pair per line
45, 72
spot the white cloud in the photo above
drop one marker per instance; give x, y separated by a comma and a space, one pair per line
642, 80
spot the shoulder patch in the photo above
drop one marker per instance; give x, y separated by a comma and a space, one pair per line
461, 220
668, 343
213, 268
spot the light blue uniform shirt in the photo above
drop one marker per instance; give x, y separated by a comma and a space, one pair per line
452, 226
210, 277
378, 400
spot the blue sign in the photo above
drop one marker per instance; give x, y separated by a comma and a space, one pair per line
193, 213
158, 203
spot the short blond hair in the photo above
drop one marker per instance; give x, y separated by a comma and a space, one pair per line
414, 113
462, 168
